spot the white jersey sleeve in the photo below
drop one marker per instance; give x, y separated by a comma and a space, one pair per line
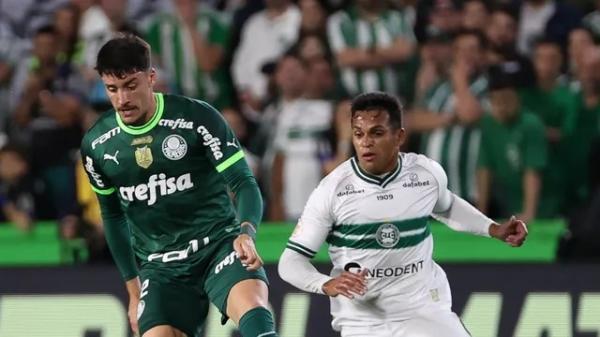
310, 233
454, 211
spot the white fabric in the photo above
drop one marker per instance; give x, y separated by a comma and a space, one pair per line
297, 270
345, 198
433, 321
298, 137
534, 25
263, 40
463, 217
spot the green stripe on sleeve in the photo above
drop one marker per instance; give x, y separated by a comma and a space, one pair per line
230, 161
306, 249
107, 191
299, 251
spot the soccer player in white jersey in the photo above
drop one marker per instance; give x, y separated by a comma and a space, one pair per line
373, 211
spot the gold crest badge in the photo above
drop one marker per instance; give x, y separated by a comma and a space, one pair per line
143, 156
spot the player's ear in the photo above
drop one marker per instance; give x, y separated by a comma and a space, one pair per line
400, 135
152, 76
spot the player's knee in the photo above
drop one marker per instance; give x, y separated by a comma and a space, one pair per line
257, 322
246, 296
163, 331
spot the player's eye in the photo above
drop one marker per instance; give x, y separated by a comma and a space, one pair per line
358, 134
111, 89
131, 87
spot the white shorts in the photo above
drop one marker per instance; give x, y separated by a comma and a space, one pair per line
431, 324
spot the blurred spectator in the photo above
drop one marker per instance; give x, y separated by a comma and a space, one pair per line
475, 15
314, 17
265, 37
580, 39
240, 128
300, 142
66, 23
512, 153
450, 113
320, 81
190, 48
8, 58
369, 41
587, 127
545, 18
579, 242
437, 16
16, 189
435, 60
312, 47
592, 20
48, 103
99, 23
501, 33
552, 101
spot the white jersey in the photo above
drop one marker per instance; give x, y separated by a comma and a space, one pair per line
382, 224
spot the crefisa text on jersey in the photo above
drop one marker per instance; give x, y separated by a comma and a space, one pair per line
179, 123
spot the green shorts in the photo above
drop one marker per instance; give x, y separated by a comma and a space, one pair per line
177, 293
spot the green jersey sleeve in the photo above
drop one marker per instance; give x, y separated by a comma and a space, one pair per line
536, 152
224, 151
116, 228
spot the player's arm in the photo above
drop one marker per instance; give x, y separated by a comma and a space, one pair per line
116, 231
310, 233
461, 216
228, 159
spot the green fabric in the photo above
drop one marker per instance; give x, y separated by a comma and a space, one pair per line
257, 322
169, 43
248, 199
577, 148
454, 147
42, 245
507, 150
178, 293
118, 236
348, 30
166, 179
556, 108
397, 236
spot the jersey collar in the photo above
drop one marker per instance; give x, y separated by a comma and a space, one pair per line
373, 179
138, 130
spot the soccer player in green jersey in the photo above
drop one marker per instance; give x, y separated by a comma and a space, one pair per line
162, 167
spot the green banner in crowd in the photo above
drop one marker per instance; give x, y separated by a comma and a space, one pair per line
42, 246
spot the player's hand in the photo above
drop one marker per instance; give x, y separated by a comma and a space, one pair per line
246, 252
132, 314
133, 289
513, 232
348, 284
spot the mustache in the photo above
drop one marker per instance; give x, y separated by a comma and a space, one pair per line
126, 107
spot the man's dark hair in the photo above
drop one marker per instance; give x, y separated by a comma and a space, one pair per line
46, 30
122, 55
483, 42
379, 101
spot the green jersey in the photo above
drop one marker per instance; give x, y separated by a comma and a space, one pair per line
173, 45
455, 147
507, 150
557, 109
347, 29
170, 176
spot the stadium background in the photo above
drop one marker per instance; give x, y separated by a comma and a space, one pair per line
282, 76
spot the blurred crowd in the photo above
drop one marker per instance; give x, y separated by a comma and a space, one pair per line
504, 94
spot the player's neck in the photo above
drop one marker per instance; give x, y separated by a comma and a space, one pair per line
151, 110
391, 167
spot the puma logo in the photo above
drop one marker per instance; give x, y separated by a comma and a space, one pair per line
113, 157
232, 144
